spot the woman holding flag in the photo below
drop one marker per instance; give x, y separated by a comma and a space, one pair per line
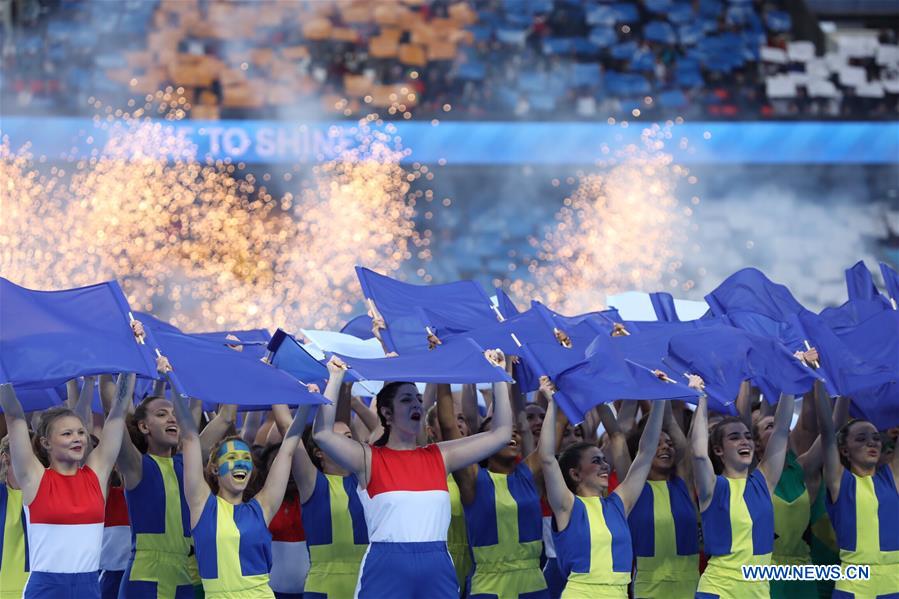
593, 542
64, 504
403, 487
736, 505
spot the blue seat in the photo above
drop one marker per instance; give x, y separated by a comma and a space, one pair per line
603, 36
672, 98
778, 20
601, 15
511, 36
584, 48
472, 71
585, 74
624, 50
643, 61
542, 102
658, 6
659, 31
626, 13
531, 82
687, 73
558, 46
690, 33
681, 13
481, 32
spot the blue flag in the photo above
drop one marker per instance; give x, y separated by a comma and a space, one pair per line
359, 327
754, 303
505, 304
604, 377
50, 337
210, 371
459, 360
726, 356
251, 341
852, 313
292, 358
860, 284
891, 280
663, 305
410, 310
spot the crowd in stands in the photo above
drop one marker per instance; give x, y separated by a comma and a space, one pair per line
523, 59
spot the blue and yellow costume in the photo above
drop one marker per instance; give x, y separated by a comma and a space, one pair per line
594, 551
457, 536
336, 535
162, 563
505, 530
664, 526
865, 517
13, 544
738, 530
792, 515
234, 550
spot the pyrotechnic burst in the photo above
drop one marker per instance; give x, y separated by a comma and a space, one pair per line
621, 229
198, 244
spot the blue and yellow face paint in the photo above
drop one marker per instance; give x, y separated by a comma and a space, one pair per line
234, 456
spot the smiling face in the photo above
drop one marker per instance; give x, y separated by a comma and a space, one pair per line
736, 447
234, 464
862, 445
66, 440
160, 425
592, 472
512, 449
573, 434
663, 461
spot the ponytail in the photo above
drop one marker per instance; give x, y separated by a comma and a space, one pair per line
384, 401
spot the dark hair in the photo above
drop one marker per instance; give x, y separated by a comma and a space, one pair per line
311, 447
384, 400
48, 417
633, 438
716, 439
571, 458
140, 413
211, 471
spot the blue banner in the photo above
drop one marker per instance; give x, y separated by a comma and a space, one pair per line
270, 142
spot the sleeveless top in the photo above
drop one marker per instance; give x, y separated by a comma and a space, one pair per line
664, 525
116, 532
792, 515
738, 525
457, 535
595, 548
234, 547
406, 500
160, 519
13, 543
65, 523
290, 558
865, 517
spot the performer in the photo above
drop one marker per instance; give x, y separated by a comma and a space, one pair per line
116, 550
403, 488
13, 558
162, 561
64, 504
735, 532
593, 542
863, 503
664, 523
231, 537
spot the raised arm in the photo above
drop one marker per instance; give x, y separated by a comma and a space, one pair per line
449, 430
250, 427
367, 416
833, 469
196, 490
703, 471
217, 428
103, 458
470, 450
682, 457
772, 465
630, 488
470, 407
621, 457
27, 469
272, 493
82, 405
560, 498
351, 455
806, 430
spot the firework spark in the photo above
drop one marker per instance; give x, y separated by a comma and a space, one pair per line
621, 229
197, 244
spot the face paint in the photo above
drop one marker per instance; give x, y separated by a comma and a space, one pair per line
234, 455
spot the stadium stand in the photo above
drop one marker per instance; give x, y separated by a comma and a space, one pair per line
528, 59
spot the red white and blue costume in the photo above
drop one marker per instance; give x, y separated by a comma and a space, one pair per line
116, 543
407, 509
65, 536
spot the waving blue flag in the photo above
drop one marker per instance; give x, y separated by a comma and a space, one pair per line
359, 327
891, 280
754, 303
663, 306
507, 307
604, 377
852, 313
292, 358
50, 337
251, 341
208, 370
860, 284
459, 360
726, 356
409, 310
